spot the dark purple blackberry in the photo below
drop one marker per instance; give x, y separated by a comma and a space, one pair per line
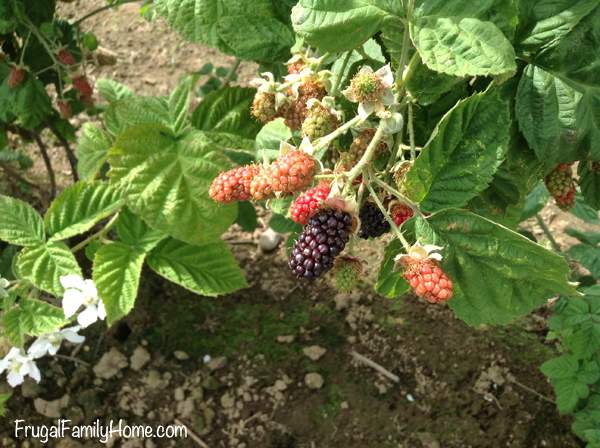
322, 239
372, 222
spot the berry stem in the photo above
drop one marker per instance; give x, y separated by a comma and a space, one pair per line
324, 176
338, 81
325, 141
232, 72
405, 47
387, 216
24, 48
102, 8
411, 132
98, 235
399, 195
548, 233
366, 158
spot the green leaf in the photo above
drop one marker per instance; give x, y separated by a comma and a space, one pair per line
336, 26
491, 266
30, 103
592, 238
79, 207
586, 420
20, 224
583, 211
428, 86
270, 137
31, 318
227, 110
43, 266
547, 111
588, 256
589, 181
134, 111
116, 273
113, 91
92, 151
135, 233
208, 269
466, 148
535, 201
281, 224
3, 397
391, 283
463, 46
249, 30
166, 181
179, 103
240, 150
247, 218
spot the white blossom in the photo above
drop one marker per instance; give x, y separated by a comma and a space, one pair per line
19, 365
4, 284
386, 98
50, 343
78, 293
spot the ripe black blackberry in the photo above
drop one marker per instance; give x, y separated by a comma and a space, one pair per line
372, 222
323, 239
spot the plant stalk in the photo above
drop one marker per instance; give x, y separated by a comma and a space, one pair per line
101, 233
47, 163
101, 9
548, 233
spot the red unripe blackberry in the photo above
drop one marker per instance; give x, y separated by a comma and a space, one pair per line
233, 185
16, 77
64, 108
83, 86
323, 238
66, 57
295, 112
562, 186
401, 213
292, 172
308, 202
264, 107
372, 222
427, 279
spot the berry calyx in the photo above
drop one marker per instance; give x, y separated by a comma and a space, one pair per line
308, 203
367, 87
319, 122
422, 270
83, 86
347, 271
290, 173
16, 76
372, 222
65, 57
562, 186
233, 185
400, 213
264, 107
323, 238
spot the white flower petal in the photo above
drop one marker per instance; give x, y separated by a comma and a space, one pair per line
101, 310
349, 94
72, 301
70, 334
72, 281
388, 97
89, 290
365, 110
39, 348
34, 372
3, 365
365, 69
88, 316
14, 379
386, 75
4, 283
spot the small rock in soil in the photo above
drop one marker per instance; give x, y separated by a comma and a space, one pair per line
217, 363
139, 358
227, 401
181, 356
286, 339
269, 240
111, 363
314, 380
51, 409
314, 352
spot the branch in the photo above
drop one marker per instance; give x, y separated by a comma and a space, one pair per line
13, 173
101, 9
385, 372
48, 163
68, 151
548, 233
232, 72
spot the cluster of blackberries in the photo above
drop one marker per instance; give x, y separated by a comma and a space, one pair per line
372, 222
323, 238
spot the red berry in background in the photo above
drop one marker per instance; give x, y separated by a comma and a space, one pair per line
401, 213
16, 76
428, 280
562, 186
308, 203
64, 108
291, 172
233, 185
82, 85
66, 57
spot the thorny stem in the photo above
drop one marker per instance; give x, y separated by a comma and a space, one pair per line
405, 43
68, 151
47, 163
324, 176
24, 48
11, 172
548, 233
387, 216
411, 132
42, 39
399, 195
102, 8
232, 72
338, 81
101, 233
